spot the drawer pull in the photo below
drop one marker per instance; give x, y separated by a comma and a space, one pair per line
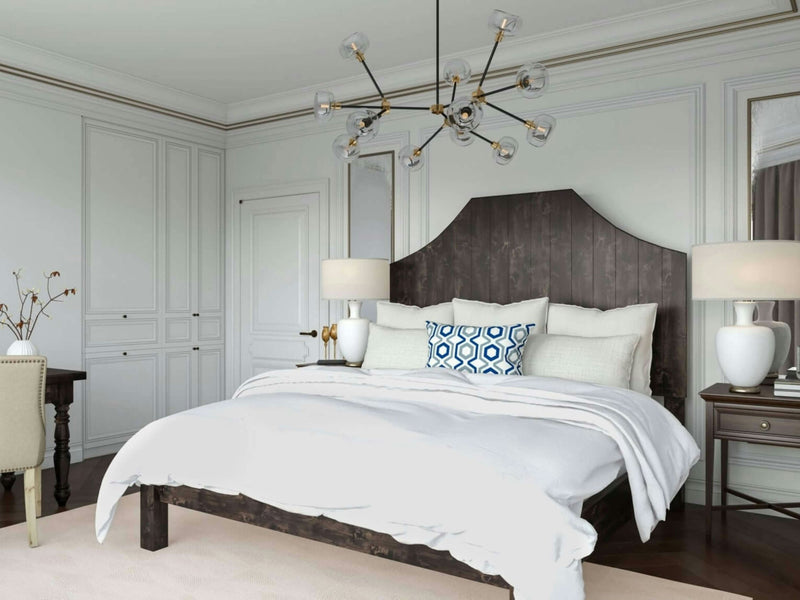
765, 425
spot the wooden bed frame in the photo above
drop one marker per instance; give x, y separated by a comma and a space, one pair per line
498, 249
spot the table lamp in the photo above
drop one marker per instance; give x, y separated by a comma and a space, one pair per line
354, 280
746, 272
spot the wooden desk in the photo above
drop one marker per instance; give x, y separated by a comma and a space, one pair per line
756, 418
59, 393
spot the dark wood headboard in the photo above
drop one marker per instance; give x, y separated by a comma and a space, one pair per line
510, 248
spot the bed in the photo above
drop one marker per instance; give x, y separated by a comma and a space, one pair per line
498, 249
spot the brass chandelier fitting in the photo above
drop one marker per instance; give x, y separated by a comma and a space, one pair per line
462, 115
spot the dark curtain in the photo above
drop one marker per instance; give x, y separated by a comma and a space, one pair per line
776, 216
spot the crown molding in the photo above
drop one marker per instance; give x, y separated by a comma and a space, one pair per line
649, 30
55, 69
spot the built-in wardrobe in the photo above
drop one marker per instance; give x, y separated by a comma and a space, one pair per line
153, 280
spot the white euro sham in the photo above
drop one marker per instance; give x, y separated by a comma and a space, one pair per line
482, 314
403, 316
638, 319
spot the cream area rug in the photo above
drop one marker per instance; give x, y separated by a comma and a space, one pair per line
210, 558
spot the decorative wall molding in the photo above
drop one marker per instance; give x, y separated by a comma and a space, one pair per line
607, 39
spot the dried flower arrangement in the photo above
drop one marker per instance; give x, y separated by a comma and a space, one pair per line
31, 306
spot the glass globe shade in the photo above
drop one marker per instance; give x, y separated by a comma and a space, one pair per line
323, 106
411, 158
500, 20
363, 124
532, 80
346, 148
352, 44
464, 113
455, 71
461, 138
505, 150
543, 127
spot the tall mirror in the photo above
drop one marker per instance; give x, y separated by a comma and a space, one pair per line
371, 211
775, 187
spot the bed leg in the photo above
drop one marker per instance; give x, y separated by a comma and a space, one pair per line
154, 524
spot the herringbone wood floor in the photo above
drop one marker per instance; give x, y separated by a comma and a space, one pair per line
753, 555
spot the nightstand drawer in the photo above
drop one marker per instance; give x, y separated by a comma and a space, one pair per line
744, 423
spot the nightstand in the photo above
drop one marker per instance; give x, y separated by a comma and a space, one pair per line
756, 418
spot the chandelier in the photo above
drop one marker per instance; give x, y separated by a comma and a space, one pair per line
462, 116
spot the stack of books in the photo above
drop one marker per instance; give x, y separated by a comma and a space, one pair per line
787, 387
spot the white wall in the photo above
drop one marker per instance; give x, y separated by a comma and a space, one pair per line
652, 140
40, 211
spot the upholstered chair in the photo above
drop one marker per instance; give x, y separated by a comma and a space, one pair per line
22, 384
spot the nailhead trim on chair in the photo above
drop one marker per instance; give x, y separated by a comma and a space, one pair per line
42, 384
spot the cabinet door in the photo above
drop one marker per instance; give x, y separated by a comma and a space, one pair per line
121, 395
178, 380
209, 231
121, 220
210, 375
178, 217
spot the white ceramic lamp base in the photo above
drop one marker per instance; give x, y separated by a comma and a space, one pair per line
745, 351
353, 335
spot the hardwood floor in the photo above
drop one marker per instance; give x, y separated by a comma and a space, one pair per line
753, 555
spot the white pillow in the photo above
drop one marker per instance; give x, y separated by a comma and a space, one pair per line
481, 314
403, 316
603, 360
566, 319
389, 348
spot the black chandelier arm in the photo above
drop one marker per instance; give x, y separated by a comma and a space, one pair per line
498, 90
382, 108
480, 137
363, 61
453, 96
489, 62
505, 112
437, 52
430, 139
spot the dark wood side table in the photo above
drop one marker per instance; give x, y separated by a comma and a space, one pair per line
59, 393
756, 418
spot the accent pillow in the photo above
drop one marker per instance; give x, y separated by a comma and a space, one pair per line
495, 349
639, 319
603, 360
389, 348
403, 316
473, 312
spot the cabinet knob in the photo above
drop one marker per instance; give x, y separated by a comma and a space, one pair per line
124, 316
765, 425
195, 314
196, 348
124, 354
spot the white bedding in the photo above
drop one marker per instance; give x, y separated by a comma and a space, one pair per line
492, 468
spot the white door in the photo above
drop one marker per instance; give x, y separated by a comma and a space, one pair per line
280, 307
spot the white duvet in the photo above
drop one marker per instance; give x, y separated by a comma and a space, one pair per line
493, 469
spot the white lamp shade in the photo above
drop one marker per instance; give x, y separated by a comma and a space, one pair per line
755, 270
355, 279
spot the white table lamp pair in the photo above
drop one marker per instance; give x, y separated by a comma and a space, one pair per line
354, 280
748, 273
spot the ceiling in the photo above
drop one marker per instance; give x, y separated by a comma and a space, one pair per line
230, 51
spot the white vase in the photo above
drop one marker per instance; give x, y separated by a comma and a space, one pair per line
22, 348
783, 335
745, 350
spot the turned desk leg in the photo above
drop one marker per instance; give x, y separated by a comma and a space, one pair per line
723, 478
61, 455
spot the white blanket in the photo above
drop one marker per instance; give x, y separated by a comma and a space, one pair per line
434, 457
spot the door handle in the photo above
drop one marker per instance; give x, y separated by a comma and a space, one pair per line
312, 333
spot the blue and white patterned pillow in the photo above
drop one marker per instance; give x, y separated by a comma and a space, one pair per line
493, 349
